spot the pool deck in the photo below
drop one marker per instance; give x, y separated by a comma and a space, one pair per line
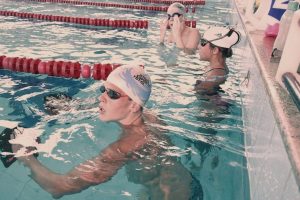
285, 111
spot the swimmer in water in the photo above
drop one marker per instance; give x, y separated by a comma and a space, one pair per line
143, 150
214, 47
185, 38
54, 103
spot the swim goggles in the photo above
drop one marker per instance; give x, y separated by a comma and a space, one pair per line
173, 15
111, 93
203, 42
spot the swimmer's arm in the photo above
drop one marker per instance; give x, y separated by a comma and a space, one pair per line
189, 51
152, 118
163, 30
155, 121
213, 80
206, 85
177, 28
92, 172
192, 44
194, 39
179, 42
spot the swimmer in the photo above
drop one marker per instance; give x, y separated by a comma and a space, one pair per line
214, 47
55, 103
60, 103
141, 149
184, 37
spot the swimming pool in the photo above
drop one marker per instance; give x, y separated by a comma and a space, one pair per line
207, 133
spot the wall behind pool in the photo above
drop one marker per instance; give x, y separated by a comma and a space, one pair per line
270, 172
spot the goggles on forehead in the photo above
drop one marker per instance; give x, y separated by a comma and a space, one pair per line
173, 15
111, 93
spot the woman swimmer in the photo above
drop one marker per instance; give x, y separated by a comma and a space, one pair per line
184, 37
215, 47
141, 149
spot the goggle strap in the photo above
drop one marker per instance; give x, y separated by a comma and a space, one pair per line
228, 34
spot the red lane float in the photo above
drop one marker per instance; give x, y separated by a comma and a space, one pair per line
168, 2
101, 71
1, 61
193, 9
66, 69
86, 71
191, 23
141, 24
105, 4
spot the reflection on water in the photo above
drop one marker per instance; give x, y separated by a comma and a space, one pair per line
206, 131
211, 110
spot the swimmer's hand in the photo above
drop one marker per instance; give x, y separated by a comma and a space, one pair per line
177, 27
177, 30
17, 148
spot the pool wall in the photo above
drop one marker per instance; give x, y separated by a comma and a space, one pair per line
270, 173
270, 121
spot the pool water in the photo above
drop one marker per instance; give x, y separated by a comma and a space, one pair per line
207, 131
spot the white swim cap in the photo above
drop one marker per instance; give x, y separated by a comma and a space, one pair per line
222, 37
179, 6
134, 81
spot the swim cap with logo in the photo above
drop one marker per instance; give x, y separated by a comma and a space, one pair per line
132, 80
222, 37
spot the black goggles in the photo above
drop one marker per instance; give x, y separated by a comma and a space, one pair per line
203, 42
173, 15
111, 93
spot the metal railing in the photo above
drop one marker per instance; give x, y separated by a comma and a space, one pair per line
293, 87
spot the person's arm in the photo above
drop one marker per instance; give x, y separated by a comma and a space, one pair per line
177, 31
163, 30
92, 172
192, 42
205, 85
211, 82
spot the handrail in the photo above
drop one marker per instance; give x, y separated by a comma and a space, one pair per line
293, 87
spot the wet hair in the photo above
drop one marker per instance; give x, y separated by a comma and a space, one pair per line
55, 103
226, 52
179, 6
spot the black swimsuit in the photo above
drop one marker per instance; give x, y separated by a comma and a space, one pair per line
226, 70
212, 79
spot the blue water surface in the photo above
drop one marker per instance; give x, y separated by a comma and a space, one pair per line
207, 131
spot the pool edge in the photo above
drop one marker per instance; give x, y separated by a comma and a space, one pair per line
284, 109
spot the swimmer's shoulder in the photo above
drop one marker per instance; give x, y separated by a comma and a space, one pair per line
194, 32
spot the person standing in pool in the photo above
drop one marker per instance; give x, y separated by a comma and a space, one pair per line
214, 47
142, 149
184, 37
